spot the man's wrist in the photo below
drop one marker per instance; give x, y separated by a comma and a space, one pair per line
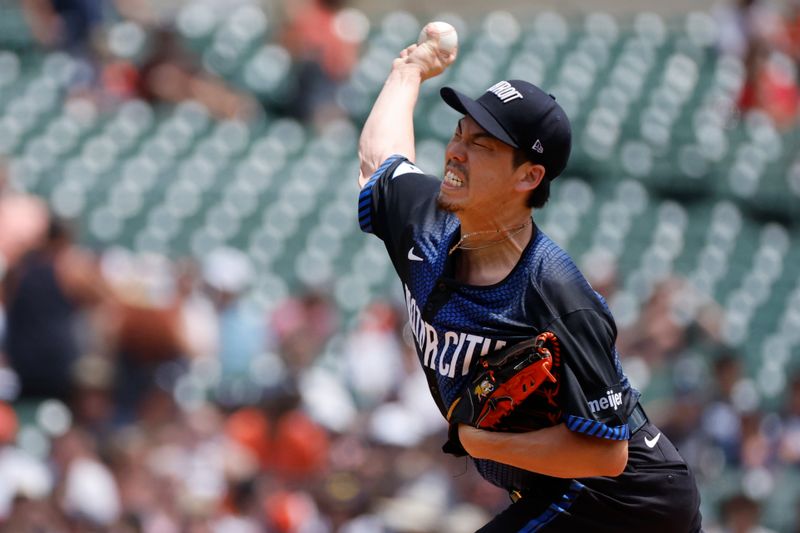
408, 71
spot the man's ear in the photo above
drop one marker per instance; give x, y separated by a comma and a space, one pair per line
531, 175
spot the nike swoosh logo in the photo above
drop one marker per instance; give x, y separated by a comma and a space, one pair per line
651, 443
412, 256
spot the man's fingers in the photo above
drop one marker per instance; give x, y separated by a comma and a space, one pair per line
408, 51
450, 56
428, 57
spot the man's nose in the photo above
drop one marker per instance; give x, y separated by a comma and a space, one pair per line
456, 150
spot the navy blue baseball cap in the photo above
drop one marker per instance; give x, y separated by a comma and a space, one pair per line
522, 115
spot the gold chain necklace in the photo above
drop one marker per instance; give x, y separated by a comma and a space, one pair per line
512, 232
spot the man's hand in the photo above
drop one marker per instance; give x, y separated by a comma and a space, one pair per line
427, 58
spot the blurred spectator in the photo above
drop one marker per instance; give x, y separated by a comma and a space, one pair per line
88, 491
199, 315
721, 420
293, 512
373, 357
680, 419
301, 447
25, 480
732, 421
8, 424
325, 49
793, 29
302, 325
23, 222
761, 36
406, 417
252, 430
93, 397
151, 343
739, 514
170, 73
166, 72
789, 448
74, 26
656, 335
743, 23
34, 515
771, 84
45, 293
759, 441
64, 24
227, 274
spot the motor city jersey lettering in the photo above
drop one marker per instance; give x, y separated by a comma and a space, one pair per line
442, 353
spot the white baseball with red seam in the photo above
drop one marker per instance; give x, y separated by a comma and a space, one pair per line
442, 34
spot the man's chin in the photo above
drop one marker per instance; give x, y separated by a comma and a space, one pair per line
446, 205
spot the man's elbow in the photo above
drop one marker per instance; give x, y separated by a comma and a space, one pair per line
366, 170
370, 158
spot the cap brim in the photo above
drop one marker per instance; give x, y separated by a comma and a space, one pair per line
466, 105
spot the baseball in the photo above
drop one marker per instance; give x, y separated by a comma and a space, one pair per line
441, 33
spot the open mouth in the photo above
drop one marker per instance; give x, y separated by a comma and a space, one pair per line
452, 180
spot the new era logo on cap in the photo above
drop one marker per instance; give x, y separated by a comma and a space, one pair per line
521, 115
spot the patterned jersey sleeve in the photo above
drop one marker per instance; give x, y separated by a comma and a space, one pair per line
595, 396
396, 195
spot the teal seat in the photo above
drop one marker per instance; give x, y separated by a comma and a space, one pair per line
14, 30
398, 28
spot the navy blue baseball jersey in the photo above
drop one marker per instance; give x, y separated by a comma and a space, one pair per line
455, 324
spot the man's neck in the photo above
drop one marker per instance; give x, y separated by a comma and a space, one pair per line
490, 260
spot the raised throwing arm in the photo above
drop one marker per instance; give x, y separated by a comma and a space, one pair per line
389, 129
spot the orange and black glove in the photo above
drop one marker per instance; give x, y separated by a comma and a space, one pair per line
500, 382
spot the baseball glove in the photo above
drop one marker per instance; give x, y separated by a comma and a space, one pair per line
499, 383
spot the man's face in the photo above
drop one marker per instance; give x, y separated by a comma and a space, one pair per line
479, 173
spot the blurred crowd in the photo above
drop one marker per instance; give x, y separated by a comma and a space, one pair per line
765, 35
134, 49
146, 394
140, 393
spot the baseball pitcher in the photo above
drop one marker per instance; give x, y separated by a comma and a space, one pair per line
518, 349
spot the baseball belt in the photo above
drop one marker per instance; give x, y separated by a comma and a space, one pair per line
637, 419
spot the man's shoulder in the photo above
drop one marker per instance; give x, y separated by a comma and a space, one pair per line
551, 264
558, 279
399, 166
406, 183
397, 195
